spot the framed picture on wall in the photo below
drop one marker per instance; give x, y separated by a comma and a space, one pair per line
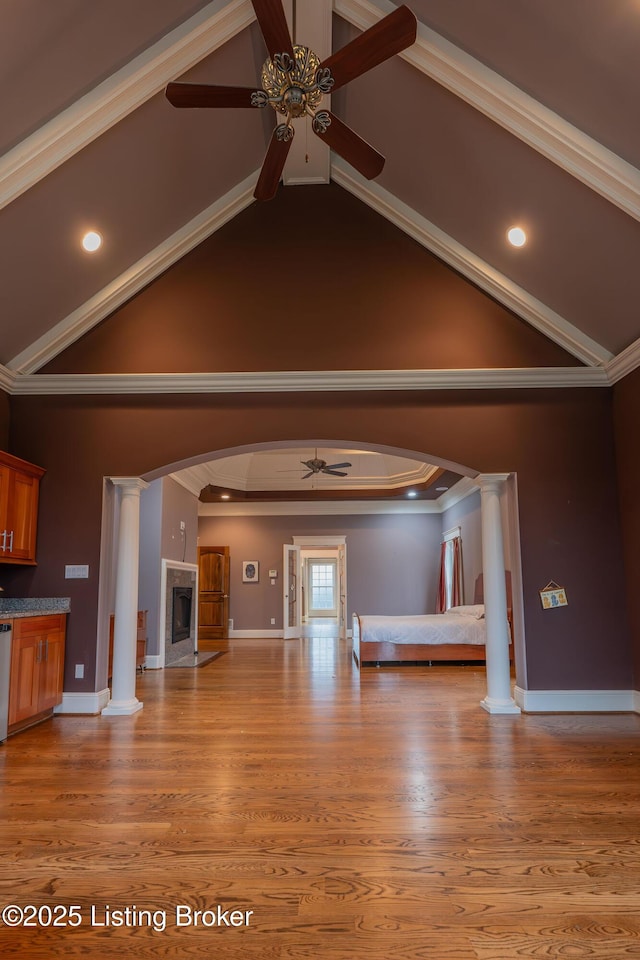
250, 571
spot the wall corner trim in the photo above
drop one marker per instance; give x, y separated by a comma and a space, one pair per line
577, 701
90, 703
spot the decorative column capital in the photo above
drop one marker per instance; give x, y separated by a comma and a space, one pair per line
129, 484
491, 481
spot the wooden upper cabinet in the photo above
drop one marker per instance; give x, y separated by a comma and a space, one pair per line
19, 490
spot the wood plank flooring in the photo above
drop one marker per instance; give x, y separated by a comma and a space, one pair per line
381, 816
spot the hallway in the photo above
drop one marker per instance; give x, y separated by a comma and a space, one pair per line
381, 816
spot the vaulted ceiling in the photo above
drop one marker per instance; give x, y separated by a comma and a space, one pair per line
504, 112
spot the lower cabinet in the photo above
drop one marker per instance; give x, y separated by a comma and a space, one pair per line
37, 668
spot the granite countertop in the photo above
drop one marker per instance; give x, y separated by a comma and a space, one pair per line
11, 607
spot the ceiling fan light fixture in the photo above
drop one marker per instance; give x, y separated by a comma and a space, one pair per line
294, 80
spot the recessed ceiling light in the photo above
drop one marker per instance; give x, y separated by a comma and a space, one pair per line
224, 496
441, 489
516, 236
92, 241
411, 493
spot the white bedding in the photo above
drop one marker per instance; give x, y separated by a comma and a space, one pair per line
432, 628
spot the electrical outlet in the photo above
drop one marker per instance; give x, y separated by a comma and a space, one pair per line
79, 671
183, 525
273, 620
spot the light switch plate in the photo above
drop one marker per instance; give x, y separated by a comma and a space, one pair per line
76, 571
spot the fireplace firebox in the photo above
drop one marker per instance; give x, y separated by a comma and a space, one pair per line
181, 620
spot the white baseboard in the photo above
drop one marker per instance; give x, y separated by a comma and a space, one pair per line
251, 634
91, 703
153, 661
577, 701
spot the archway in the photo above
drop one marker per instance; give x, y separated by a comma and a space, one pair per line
498, 699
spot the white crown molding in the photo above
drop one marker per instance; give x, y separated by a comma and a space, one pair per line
481, 273
464, 488
118, 95
317, 508
559, 141
7, 379
310, 381
138, 276
626, 362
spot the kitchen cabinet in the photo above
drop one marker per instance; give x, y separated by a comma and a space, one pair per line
37, 668
19, 491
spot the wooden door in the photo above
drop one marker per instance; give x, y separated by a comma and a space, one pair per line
213, 596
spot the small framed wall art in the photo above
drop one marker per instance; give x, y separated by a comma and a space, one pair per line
250, 571
553, 596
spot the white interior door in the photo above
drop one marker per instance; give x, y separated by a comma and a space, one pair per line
292, 591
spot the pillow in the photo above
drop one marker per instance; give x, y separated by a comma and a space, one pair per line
475, 610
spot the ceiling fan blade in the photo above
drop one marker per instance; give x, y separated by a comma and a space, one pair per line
351, 147
337, 466
335, 473
384, 39
310, 474
207, 95
274, 161
274, 27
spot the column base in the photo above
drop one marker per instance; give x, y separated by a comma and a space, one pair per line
122, 708
492, 705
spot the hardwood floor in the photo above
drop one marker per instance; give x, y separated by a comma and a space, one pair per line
375, 817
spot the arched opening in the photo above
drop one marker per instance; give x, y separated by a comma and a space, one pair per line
468, 483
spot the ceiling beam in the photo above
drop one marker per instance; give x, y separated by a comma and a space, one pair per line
559, 141
147, 74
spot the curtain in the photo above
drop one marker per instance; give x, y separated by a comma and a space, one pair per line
456, 573
441, 599
450, 590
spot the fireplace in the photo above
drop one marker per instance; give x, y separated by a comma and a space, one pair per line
181, 619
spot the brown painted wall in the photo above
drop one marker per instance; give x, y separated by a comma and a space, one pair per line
344, 289
626, 410
560, 443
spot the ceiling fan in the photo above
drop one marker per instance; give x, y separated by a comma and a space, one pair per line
321, 466
294, 81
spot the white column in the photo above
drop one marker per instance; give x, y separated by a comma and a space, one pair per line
498, 698
123, 681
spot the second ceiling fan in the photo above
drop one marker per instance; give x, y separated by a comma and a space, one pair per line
294, 81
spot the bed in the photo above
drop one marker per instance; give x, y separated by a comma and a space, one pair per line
459, 634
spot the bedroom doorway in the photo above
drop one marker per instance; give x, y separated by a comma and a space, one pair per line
329, 553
